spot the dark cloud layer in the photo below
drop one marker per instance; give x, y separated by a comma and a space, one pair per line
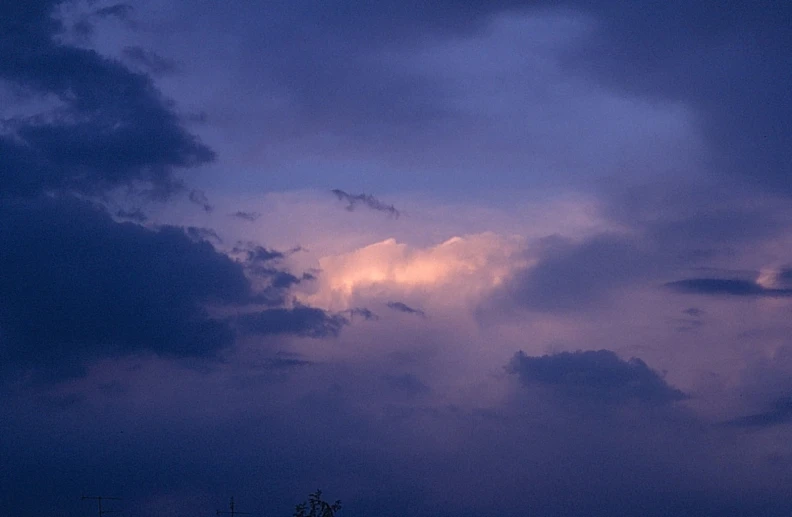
780, 414
304, 321
598, 377
335, 63
78, 285
84, 286
112, 129
727, 286
728, 63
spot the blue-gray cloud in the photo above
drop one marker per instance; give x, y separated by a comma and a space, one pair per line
304, 321
149, 60
78, 285
727, 287
199, 198
114, 128
595, 377
367, 200
246, 216
779, 414
85, 286
403, 307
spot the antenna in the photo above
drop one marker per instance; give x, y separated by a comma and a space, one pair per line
99, 498
233, 511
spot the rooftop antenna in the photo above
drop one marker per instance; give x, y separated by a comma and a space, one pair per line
99, 498
233, 511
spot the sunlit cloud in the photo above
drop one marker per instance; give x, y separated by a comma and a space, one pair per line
452, 271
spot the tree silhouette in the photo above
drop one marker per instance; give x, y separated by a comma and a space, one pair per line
315, 506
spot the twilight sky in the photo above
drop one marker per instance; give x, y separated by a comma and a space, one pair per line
447, 258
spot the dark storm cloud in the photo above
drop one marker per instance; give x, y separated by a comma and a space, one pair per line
304, 321
726, 286
403, 307
78, 285
113, 128
595, 376
84, 286
367, 200
728, 63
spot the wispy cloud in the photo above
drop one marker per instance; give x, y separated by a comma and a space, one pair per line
246, 216
353, 201
199, 198
403, 307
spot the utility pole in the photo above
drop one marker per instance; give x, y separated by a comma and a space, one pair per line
233, 511
99, 498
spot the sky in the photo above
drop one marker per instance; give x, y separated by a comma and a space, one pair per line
448, 258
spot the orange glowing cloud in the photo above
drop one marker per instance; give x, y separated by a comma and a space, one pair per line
452, 270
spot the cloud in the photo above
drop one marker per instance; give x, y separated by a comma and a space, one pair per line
136, 215
694, 312
453, 271
659, 233
579, 433
246, 216
728, 66
599, 377
149, 60
780, 414
87, 287
113, 128
366, 314
353, 200
303, 321
202, 234
573, 275
121, 11
199, 198
402, 307
726, 286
